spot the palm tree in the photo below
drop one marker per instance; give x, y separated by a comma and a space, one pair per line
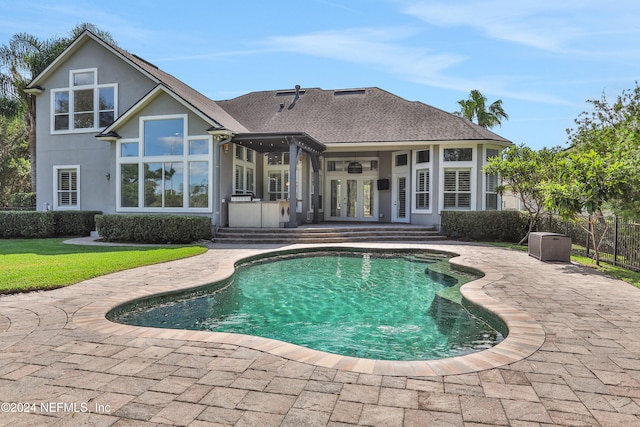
476, 108
21, 60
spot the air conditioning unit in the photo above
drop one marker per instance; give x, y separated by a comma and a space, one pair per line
550, 247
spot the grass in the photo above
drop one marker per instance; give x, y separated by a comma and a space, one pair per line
610, 270
41, 264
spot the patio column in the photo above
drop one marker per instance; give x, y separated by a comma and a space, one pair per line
315, 164
294, 155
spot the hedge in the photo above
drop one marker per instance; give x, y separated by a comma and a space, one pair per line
43, 224
153, 228
499, 226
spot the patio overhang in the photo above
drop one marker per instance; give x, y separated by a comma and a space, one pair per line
295, 143
279, 142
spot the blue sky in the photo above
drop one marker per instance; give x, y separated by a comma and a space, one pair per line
543, 58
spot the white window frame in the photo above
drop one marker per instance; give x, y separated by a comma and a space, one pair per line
57, 190
247, 162
470, 165
417, 167
96, 102
485, 181
283, 170
185, 158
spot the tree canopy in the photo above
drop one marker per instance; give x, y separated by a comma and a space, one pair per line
21, 60
475, 107
523, 172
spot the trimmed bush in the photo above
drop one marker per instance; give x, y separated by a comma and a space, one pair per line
499, 226
153, 228
74, 223
26, 224
43, 224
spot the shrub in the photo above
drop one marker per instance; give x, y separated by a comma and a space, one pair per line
74, 223
23, 200
26, 224
43, 224
153, 228
501, 226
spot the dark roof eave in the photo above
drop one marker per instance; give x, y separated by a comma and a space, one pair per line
265, 142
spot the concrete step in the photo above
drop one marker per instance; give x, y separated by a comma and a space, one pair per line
326, 234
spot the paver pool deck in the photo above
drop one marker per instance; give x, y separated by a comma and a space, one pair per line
572, 357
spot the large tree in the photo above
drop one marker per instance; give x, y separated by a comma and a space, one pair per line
612, 131
476, 108
523, 171
21, 60
14, 163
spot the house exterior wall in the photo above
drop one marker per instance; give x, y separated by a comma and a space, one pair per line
98, 164
92, 157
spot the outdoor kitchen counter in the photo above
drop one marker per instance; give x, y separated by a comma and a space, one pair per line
258, 214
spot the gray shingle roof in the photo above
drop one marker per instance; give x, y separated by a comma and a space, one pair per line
205, 105
354, 115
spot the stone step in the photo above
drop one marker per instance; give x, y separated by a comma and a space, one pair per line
328, 234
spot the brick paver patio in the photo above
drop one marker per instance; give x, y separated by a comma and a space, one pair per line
574, 358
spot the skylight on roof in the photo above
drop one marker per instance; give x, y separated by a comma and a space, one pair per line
349, 92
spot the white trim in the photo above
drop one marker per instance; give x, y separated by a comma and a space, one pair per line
463, 165
415, 167
56, 170
185, 159
246, 166
402, 171
76, 44
147, 99
484, 180
71, 90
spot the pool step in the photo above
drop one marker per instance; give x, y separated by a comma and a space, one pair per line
327, 234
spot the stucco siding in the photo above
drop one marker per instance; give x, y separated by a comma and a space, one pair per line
94, 157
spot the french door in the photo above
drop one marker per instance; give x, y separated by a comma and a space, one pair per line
352, 199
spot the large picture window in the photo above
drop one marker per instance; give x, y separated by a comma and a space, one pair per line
165, 169
85, 105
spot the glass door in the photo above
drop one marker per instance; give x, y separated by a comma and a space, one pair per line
335, 211
352, 199
400, 189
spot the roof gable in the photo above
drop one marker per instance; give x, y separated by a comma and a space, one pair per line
203, 106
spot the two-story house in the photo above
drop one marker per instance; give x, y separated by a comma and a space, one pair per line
119, 135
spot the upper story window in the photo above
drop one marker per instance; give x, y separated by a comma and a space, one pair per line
84, 106
458, 154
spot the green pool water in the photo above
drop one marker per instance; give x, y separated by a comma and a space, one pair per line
369, 305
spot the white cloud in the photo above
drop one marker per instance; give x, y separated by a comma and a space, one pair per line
388, 49
550, 25
381, 47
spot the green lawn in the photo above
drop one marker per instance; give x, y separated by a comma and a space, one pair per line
40, 264
616, 272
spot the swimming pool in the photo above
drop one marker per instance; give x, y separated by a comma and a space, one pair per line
366, 304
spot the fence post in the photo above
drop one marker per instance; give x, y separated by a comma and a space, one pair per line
587, 245
615, 240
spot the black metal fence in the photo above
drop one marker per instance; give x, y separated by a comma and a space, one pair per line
620, 238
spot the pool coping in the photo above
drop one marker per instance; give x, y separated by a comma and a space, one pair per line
525, 335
